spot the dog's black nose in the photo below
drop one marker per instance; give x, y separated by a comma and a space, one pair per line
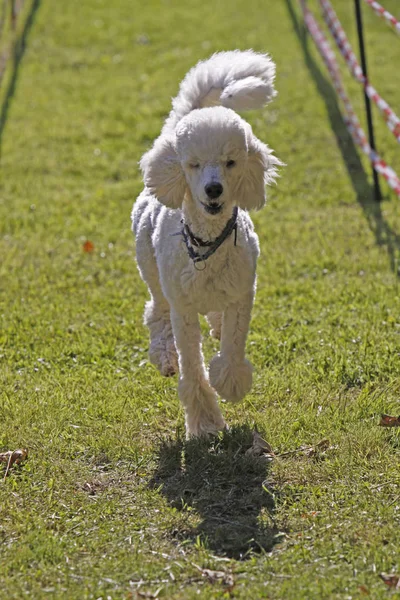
213, 190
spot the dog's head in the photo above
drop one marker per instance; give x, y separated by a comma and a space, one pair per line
212, 158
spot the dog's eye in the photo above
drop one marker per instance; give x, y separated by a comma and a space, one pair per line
194, 165
230, 164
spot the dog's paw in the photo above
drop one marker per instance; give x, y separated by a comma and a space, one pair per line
202, 413
169, 365
204, 426
168, 370
165, 360
231, 380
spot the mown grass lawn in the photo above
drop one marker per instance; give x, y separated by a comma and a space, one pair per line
111, 502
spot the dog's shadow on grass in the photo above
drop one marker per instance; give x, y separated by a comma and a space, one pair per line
384, 234
227, 488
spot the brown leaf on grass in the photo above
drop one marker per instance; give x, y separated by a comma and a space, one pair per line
13, 457
319, 448
213, 576
388, 421
88, 246
229, 582
391, 580
260, 447
364, 590
94, 486
225, 577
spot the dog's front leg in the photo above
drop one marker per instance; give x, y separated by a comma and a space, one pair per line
202, 413
230, 372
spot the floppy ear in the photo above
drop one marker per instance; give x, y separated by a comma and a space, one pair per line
260, 170
162, 172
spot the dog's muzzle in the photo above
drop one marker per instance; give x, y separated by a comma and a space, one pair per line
213, 191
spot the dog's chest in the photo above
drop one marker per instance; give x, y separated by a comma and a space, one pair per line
213, 285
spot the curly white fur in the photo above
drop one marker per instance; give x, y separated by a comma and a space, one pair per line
204, 142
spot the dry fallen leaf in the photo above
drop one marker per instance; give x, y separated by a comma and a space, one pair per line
88, 246
13, 457
388, 421
391, 580
225, 577
259, 447
213, 576
319, 448
364, 590
313, 513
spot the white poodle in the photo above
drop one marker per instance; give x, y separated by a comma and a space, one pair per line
195, 242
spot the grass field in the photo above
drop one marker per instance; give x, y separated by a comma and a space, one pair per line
112, 503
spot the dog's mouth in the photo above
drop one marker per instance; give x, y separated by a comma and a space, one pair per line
213, 208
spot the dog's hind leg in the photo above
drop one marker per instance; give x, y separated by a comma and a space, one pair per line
215, 322
162, 351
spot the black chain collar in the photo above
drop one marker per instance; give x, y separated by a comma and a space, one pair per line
192, 240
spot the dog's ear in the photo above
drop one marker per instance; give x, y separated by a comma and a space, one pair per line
162, 172
260, 170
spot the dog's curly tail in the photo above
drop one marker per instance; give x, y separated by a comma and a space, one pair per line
235, 79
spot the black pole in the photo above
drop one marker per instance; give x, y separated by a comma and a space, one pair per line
378, 195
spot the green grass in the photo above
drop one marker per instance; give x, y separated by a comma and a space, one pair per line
111, 501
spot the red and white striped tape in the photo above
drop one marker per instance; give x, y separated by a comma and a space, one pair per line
335, 27
351, 120
382, 12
